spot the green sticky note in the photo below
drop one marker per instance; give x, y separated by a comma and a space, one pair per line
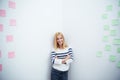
115, 22
109, 8
118, 50
119, 3
106, 27
116, 41
112, 32
99, 54
119, 14
118, 64
108, 48
104, 16
105, 38
112, 58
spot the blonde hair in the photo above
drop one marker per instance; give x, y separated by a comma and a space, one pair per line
56, 46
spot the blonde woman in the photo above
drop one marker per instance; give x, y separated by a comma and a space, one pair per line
61, 56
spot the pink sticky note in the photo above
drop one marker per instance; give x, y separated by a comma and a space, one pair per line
11, 54
0, 54
1, 27
2, 13
12, 22
12, 4
0, 67
9, 38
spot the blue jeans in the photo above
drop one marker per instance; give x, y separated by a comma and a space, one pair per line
59, 75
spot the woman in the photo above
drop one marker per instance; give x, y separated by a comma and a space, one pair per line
62, 56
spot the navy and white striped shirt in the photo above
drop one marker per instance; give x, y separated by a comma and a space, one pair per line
61, 54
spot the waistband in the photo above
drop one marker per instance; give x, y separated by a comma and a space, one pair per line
58, 70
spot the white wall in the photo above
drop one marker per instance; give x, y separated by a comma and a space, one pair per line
36, 22
83, 26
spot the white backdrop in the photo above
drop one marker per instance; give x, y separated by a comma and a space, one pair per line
27, 31
83, 22
36, 23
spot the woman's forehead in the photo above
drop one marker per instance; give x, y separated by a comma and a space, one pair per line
59, 36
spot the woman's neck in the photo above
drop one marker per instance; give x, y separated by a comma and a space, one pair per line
61, 47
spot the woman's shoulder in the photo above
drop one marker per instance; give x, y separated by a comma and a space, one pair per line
52, 50
69, 47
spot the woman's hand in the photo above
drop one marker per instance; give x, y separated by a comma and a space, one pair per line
63, 61
66, 58
56, 57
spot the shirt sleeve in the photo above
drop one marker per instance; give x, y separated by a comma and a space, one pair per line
53, 56
69, 61
71, 56
55, 61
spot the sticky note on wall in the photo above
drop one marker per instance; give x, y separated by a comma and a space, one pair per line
119, 14
99, 54
112, 58
113, 32
119, 3
108, 48
12, 22
11, 54
109, 8
12, 4
115, 22
0, 67
2, 13
116, 41
0, 54
105, 38
1, 27
118, 50
118, 64
9, 38
106, 27
104, 16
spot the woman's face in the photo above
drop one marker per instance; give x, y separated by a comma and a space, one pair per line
60, 40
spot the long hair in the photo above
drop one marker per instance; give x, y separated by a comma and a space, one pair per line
56, 46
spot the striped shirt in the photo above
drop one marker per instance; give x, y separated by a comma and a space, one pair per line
61, 54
